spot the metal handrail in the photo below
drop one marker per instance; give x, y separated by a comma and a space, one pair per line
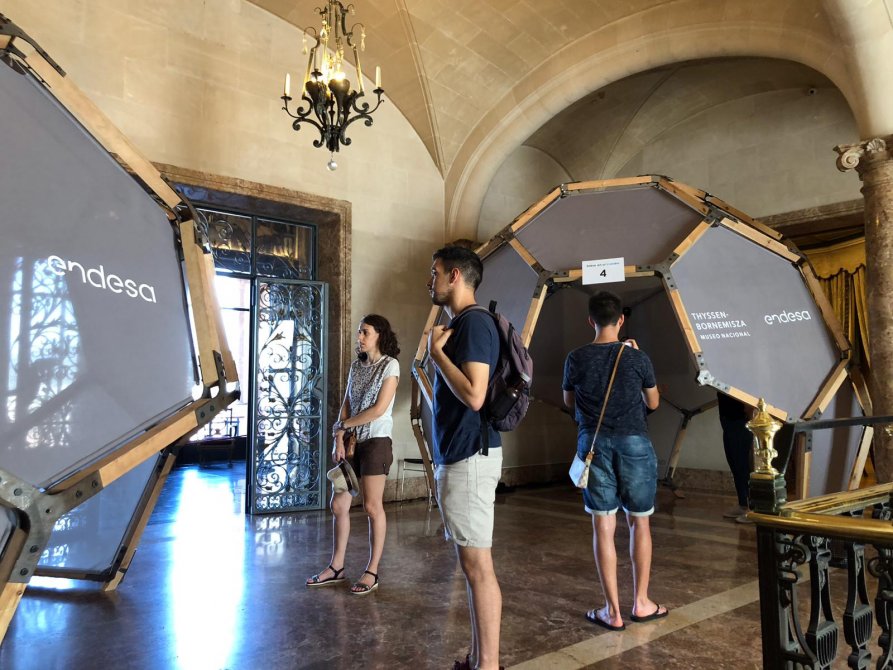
800, 534
819, 525
821, 515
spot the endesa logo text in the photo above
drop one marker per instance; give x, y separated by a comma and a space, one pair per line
97, 277
787, 317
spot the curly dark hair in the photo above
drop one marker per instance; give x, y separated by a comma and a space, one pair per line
387, 339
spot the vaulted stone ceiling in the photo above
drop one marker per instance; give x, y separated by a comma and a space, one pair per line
595, 137
448, 64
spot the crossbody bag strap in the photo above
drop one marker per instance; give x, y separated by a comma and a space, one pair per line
605, 403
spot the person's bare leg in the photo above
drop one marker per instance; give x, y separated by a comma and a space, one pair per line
486, 599
640, 552
340, 506
475, 652
603, 528
373, 503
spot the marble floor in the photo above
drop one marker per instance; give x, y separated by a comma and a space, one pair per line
211, 588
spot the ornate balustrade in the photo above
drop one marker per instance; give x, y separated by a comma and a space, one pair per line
851, 532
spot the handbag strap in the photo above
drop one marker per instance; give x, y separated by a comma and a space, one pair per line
605, 403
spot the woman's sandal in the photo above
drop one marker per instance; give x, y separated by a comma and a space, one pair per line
336, 578
361, 589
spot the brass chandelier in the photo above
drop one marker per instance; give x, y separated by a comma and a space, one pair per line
331, 104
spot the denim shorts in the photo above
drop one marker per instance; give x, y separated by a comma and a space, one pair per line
623, 473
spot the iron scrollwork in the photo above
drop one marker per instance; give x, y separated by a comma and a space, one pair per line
822, 632
881, 567
289, 405
792, 551
284, 250
230, 237
857, 618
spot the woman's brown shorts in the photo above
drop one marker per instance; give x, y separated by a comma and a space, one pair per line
373, 457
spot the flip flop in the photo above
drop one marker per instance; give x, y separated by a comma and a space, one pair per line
592, 615
657, 614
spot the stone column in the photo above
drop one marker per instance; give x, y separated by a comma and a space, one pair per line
873, 160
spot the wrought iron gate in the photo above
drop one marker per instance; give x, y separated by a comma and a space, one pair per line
289, 396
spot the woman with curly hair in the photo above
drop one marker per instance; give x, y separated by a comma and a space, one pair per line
366, 410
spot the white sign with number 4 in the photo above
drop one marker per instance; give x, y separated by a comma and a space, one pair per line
603, 271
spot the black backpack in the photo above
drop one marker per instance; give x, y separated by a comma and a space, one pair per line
508, 392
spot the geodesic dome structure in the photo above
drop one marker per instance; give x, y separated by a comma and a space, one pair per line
717, 300
111, 342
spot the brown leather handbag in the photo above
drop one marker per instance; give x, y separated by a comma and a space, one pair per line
350, 443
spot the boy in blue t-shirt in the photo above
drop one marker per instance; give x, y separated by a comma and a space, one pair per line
623, 471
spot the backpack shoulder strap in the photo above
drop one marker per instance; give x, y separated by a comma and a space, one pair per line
485, 420
472, 308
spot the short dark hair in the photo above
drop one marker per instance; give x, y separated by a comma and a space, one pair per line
465, 260
605, 308
387, 339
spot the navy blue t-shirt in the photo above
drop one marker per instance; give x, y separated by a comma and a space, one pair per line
457, 428
586, 373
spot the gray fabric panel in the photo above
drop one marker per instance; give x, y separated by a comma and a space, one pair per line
128, 360
642, 224
834, 451
7, 525
653, 325
88, 538
561, 328
663, 427
510, 282
731, 279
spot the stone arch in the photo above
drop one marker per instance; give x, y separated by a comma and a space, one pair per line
607, 56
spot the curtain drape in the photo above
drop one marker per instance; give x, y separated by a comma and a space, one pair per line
840, 269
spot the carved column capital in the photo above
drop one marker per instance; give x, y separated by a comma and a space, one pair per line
873, 160
865, 154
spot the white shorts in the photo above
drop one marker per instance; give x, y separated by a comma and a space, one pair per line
466, 493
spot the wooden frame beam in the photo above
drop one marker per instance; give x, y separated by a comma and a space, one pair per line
417, 396
692, 197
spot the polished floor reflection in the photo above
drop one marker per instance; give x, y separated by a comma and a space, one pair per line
211, 588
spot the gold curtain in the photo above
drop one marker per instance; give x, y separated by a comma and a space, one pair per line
841, 272
860, 290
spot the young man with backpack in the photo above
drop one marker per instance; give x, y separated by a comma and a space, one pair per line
465, 354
